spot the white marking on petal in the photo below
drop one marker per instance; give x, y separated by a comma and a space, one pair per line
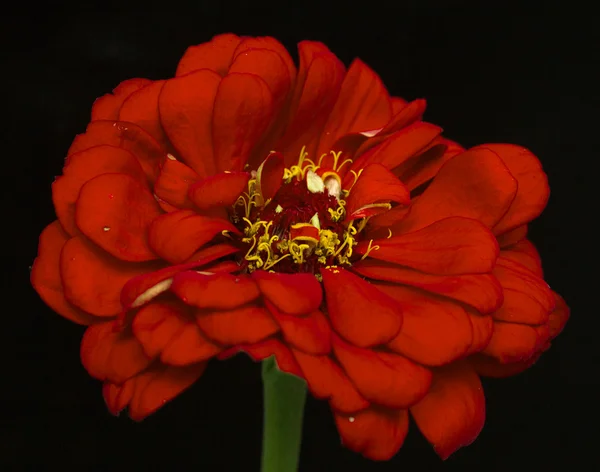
171, 157
314, 182
278, 209
333, 187
351, 419
152, 292
204, 273
371, 133
106, 228
315, 221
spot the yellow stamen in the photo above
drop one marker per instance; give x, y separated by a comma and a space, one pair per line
369, 249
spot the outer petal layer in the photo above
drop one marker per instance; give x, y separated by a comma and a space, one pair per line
475, 184
435, 332
358, 311
177, 235
327, 380
386, 379
214, 291
112, 355
533, 191
375, 433
294, 294
151, 389
481, 291
114, 211
186, 108
453, 412
451, 246
93, 279
83, 166
45, 275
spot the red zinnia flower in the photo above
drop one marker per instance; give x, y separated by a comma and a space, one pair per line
247, 206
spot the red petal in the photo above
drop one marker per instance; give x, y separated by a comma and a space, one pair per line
512, 342
398, 147
404, 116
363, 105
512, 237
294, 294
481, 291
248, 45
384, 378
242, 112
107, 107
223, 266
244, 325
157, 323
270, 66
482, 328
533, 191
186, 110
117, 397
326, 380
215, 55
189, 346
114, 211
475, 184
424, 166
527, 298
269, 175
219, 291
84, 166
125, 135
267, 348
434, 332
375, 433
92, 279
45, 275
376, 184
156, 387
310, 333
489, 367
269, 60
112, 355
358, 311
319, 82
177, 235
174, 183
220, 190
169, 330
141, 108
559, 317
525, 254
140, 290
452, 246
453, 413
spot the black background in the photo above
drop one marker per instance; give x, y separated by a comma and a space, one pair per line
505, 73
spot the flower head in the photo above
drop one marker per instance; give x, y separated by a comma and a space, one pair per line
245, 205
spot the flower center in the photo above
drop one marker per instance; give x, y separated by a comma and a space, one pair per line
302, 227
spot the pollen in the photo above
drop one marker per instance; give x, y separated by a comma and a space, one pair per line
302, 227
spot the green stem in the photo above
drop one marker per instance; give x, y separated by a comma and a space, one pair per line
284, 397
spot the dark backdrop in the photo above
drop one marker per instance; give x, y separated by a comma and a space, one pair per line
489, 73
